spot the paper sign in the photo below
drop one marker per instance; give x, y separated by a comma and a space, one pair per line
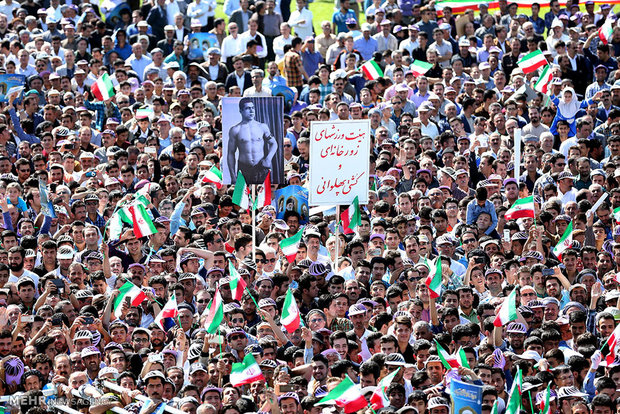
340, 152
8, 83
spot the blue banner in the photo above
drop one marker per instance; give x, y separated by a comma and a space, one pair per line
292, 198
11, 81
466, 398
199, 43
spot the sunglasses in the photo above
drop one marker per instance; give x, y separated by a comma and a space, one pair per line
236, 337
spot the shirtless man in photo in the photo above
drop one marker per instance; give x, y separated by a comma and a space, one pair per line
256, 145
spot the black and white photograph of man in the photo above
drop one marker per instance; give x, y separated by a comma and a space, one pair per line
253, 139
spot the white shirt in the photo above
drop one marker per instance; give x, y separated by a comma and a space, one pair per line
7, 9
304, 29
231, 47
261, 50
568, 196
172, 8
27, 273
251, 91
199, 11
240, 80
28, 71
278, 45
568, 144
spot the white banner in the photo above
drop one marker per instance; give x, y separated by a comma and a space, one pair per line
339, 162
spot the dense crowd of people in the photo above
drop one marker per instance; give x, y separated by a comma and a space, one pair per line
462, 131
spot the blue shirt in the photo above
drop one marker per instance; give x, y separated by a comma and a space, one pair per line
272, 83
366, 47
311, 61
339, 19
474, 210
539, 25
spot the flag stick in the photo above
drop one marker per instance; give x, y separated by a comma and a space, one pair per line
529, 394
219, 333
252, 297
253, 223
337, 231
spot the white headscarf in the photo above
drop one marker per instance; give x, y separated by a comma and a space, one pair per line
568, 110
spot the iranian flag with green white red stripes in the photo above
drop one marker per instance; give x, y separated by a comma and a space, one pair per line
450, 361
544, 80
128, 290
291, 320
142, 224
544, 405
514, 398
379, 398
103, 88
508, 311
372, 70
214, 312
532, 61
246, 372
214, 176
617, 215
241, 195
433, 280
263, 197
290, 245
237, 284
610, 345
606, 31
351, 217
345, 395
565, 242
523, 207
419, 67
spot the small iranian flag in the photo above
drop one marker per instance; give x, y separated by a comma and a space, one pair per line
523, 207
237, 284
246, 372
128, 290
263, 198
544, 80
419, 67
165, 319
213, 176
103, 88
532, 61
215, 313
379, 398
433, 280
565, 242
290, 245
508, 311
495, 409
610, 345
606, 31
617, 215
142, 223
346, 395
241, 195
544, 406
514, 398
290, 313
351, 217
372, 70
451, 361
146, 112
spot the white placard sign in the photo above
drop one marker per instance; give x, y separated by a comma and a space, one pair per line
339, 162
